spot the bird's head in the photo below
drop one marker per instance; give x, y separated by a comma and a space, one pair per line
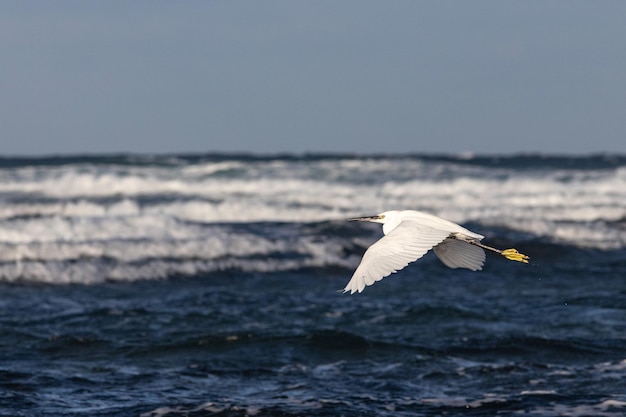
389, 219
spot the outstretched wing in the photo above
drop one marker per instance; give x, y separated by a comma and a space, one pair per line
458, 254
406, 243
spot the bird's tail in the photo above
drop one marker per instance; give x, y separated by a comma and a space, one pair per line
514, 255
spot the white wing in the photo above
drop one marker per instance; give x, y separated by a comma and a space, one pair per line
458, 254
406, 243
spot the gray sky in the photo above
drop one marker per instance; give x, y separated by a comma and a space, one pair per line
321, 76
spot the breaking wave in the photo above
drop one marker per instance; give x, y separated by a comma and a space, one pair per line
87, 219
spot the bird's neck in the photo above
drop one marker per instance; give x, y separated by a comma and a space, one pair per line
390, 225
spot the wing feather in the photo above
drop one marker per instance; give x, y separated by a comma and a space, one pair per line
406, 243
458, 254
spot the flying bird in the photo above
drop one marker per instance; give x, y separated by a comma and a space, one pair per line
409, 234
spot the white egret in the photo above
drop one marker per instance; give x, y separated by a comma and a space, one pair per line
409, 234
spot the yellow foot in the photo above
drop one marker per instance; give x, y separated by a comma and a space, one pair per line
514, 255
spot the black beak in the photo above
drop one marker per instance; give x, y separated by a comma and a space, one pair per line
364, 219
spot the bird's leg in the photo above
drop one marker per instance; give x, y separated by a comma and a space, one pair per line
511, 254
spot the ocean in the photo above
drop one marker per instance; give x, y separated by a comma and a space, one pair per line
209, 285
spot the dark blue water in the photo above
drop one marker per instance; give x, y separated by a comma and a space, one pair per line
131, 304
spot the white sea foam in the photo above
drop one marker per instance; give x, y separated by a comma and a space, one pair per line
134, 214
578, 213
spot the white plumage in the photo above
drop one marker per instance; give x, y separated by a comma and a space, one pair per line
409, 234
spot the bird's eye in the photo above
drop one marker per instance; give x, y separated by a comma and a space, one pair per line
382, 216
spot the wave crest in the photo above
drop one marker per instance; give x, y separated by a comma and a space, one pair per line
128, 218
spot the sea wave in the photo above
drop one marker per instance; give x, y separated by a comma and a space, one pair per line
130, 217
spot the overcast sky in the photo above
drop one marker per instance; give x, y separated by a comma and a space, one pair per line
315, 76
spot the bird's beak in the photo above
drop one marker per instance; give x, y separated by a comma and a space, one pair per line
365, 219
